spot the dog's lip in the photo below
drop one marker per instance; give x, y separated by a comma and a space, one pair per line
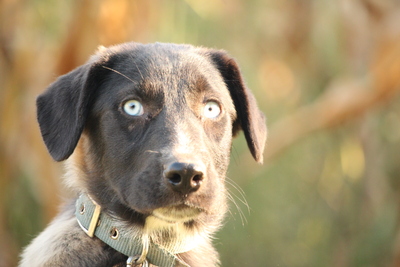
178, 213
186, 205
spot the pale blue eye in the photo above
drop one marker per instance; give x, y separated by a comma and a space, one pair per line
133, 108
211, 110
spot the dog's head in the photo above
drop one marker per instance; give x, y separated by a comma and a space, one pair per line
150, 128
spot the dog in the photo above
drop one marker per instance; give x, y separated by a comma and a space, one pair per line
147, 131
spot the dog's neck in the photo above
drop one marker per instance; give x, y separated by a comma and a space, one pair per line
160, 237
174, 237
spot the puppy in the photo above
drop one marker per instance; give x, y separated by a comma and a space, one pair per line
147, 131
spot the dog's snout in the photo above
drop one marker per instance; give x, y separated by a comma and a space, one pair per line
184, 177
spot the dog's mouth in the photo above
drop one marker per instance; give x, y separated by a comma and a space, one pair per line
178, 213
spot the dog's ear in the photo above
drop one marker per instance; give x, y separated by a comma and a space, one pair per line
249, 118
62, 109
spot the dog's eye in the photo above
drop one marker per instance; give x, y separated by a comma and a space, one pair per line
211, 110
133, 108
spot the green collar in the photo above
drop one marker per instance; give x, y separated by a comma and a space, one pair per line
111, 231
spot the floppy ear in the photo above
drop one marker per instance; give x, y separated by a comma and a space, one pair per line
63, 108
249, 118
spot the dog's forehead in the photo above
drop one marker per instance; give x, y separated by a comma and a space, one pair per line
166, 65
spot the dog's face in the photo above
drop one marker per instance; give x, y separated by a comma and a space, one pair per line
155, 126
174, 109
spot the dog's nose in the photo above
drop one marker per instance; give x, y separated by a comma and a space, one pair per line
184, 177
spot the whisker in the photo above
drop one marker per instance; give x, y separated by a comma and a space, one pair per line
136, 65
242, 194
240, 212
236, 186
141, 75
152, 151
123, 75
234, 155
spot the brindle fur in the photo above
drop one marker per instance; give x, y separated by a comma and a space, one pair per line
120, 160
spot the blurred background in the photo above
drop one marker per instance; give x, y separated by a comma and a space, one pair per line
325, 73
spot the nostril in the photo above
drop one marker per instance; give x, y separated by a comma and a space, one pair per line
196, 180
174, 178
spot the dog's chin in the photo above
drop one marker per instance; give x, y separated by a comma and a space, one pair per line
177, 214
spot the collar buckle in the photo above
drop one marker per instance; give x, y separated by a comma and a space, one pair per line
94, 218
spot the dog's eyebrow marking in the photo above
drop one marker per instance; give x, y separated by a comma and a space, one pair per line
123, 75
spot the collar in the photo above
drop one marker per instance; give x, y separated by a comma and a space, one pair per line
110, 230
